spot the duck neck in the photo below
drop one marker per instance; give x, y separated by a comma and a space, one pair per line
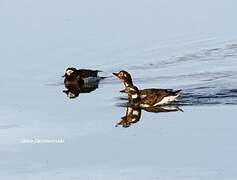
128, 82
134, 98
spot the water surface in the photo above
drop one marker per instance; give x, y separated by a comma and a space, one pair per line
182, 45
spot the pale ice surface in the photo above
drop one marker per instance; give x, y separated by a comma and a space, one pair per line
188, 45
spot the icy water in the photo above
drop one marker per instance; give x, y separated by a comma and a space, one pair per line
181, 45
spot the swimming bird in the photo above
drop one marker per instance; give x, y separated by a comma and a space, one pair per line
81, 76
147, 97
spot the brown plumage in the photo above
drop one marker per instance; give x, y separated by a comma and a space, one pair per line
154, 96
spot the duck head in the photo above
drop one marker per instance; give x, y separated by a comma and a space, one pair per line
125, 77
72, 77
69, 71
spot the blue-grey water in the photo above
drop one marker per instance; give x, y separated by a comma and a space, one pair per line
165, 44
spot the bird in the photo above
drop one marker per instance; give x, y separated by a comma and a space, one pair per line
146, 98
81, 76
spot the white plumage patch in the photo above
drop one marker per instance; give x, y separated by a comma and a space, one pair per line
91, 80
134, 119
145, 105
134, 96
129, 110
170, 108
71, 95
126, 84
136, 113
69, 72
167, 100
143, 96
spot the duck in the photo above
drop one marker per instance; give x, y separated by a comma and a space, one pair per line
146, 98
81, 76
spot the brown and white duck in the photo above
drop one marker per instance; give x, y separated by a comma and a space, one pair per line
81, 76
147, 97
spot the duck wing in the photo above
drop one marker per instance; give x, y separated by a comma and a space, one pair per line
160, 92
85, 73
152, 96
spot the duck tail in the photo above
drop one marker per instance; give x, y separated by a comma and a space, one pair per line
103, 77
177, 92
123, 91
179, 109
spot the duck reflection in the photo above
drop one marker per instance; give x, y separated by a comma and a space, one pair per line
74, 90
164, 108
133, 113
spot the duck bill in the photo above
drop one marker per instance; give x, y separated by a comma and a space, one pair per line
116, 74
63, 76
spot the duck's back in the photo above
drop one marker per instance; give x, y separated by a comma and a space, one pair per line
85, 73
153, 97
158, 92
